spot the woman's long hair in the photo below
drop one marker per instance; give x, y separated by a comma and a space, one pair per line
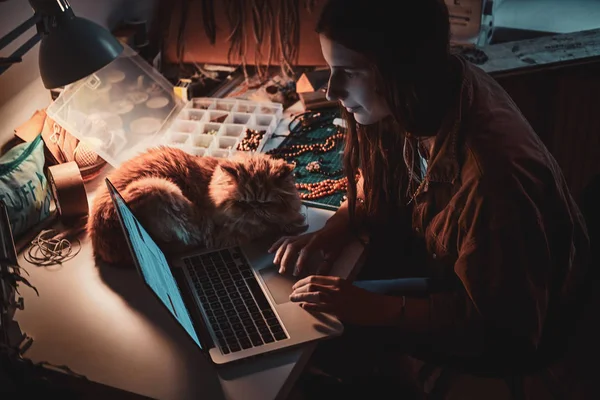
407, 42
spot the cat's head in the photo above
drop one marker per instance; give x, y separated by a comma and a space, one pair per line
255, 188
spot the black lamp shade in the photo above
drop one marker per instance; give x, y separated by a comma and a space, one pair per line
74, 48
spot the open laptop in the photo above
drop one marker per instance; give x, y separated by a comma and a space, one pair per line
232, 302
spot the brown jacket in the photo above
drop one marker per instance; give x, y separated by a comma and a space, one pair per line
497, 218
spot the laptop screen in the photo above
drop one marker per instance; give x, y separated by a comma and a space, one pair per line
153, 265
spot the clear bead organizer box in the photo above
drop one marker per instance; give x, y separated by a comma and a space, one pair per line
220, 127
128, 107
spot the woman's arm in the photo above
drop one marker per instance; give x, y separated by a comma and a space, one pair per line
341, 218
504, 270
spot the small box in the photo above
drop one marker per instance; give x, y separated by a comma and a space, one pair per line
123, 109
223, 125
182, 89
312, 81
316, 101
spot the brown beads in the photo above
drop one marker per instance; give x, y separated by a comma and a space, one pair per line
321, 189
313, 166
297, 149
251, 140
316, 167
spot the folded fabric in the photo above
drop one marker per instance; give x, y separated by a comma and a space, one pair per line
61, 146
23, 185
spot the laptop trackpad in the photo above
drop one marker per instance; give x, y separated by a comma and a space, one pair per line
280, 286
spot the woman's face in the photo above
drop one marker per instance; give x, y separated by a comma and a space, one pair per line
352, 82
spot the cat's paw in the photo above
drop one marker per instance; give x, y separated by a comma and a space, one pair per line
188, 233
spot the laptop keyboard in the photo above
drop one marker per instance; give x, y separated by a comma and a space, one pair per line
233, 301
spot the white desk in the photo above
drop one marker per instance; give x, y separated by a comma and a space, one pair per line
105, 324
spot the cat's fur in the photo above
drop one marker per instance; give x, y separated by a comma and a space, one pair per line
184, 200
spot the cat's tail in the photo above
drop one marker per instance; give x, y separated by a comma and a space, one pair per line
167, 215
104, 231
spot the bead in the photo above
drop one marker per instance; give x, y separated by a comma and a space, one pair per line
327, 187
296, 150
324, 188
251, 140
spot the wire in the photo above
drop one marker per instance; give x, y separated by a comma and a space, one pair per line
50, 247
310, 120
235, 10
258, 28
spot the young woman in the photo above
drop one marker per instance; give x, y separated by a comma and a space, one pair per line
455, 186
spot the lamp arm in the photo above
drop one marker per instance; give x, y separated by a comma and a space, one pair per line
64, 36
16, 56
19, 30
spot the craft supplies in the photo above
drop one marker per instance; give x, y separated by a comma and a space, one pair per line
221, 127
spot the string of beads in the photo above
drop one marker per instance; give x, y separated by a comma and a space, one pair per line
323, 188
310, 121
316, 167
297, 149
302, 125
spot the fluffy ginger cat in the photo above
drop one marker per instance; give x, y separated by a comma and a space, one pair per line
184, 200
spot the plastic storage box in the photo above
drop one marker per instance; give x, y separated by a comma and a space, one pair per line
127, 107
220, 127
120, 110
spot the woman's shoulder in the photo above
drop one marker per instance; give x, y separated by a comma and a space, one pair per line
495, 134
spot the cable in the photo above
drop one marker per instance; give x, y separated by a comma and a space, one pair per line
310, 120
235, 10
50, 248
258, 28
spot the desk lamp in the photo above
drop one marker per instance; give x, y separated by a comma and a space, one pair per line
72, 47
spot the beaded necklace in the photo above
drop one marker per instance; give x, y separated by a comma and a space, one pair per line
297, 149
316, 167
323, 188
304, 123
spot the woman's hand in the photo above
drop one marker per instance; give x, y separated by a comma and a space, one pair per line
294, 252
347, 302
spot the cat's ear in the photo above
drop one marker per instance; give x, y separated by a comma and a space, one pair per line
284, 171
230, 170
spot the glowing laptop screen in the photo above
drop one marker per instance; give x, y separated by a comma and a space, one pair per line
154, 267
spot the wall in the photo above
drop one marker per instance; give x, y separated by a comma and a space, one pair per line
21, 88
514, 20
197, 47
558, 16
561, 105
